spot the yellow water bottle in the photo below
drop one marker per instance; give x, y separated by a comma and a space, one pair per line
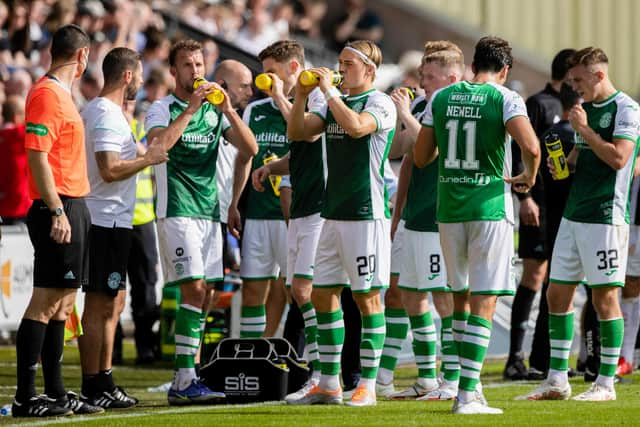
309, 78
216, 96
264, 81
410, 92
554, 148
274, 180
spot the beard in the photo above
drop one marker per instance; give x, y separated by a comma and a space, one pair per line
132, 91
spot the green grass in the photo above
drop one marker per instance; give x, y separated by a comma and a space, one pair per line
153, 409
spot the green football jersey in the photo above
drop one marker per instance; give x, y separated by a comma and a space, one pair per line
306, 169
355, 166
599, 194
469, 122
419, 212
186, 184
268, 125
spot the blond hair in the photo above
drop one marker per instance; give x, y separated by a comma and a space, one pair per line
369, 49
588, 56
443, 53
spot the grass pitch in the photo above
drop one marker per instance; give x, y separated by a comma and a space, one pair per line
154, 411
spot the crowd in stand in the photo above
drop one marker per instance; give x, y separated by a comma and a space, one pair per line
128, 70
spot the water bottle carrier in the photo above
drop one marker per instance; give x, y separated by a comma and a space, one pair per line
254, 369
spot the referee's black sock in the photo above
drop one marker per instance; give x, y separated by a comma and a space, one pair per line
520, 311
106, 380
52, 359
29, 340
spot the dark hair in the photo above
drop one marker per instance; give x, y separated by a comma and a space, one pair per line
116, 62
155, 78
188, 45
155, 38
588, 56
492, 54
568, 97
282, 51
560, 64
67, 40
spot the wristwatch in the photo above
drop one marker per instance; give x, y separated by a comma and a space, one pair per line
57, 212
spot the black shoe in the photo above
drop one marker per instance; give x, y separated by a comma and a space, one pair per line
572, 373
39, 406
73, 402
536, 375
515, 369
115, 399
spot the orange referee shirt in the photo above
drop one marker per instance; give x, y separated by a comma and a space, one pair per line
55, 127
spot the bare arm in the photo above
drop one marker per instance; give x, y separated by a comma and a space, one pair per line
615, 154
240, 135
43, 178
241, 171
425, 151
277, 167
403, 139
520, 129
303, 126
113, 168
170, 135
403, 188
285, 202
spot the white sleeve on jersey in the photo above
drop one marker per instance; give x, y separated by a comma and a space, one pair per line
627, 121
427, 117
315, 99
513, 106
225, 123
158, 115
319, 108
390, 179
246, 115
382, 108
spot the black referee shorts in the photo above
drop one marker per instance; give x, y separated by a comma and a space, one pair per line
60, 265
110, 248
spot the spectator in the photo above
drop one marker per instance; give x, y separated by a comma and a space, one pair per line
14, 191
312, 13
358, 22
90, 16
156, 50
257, 34
211, 55
19, 83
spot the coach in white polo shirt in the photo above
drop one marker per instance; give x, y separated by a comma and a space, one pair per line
112, 165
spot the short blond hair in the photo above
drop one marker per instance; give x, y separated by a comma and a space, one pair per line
369, 49
444, 53
588, 56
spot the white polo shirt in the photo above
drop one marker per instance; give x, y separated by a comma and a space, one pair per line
106, 129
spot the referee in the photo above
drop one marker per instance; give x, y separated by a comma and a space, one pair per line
58, 224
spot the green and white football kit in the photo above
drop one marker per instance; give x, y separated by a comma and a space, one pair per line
421, 264
396, 249
475, 208
307, 176
187, 209
593, 238
474, 205
354, 247
187, 205
264, 240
